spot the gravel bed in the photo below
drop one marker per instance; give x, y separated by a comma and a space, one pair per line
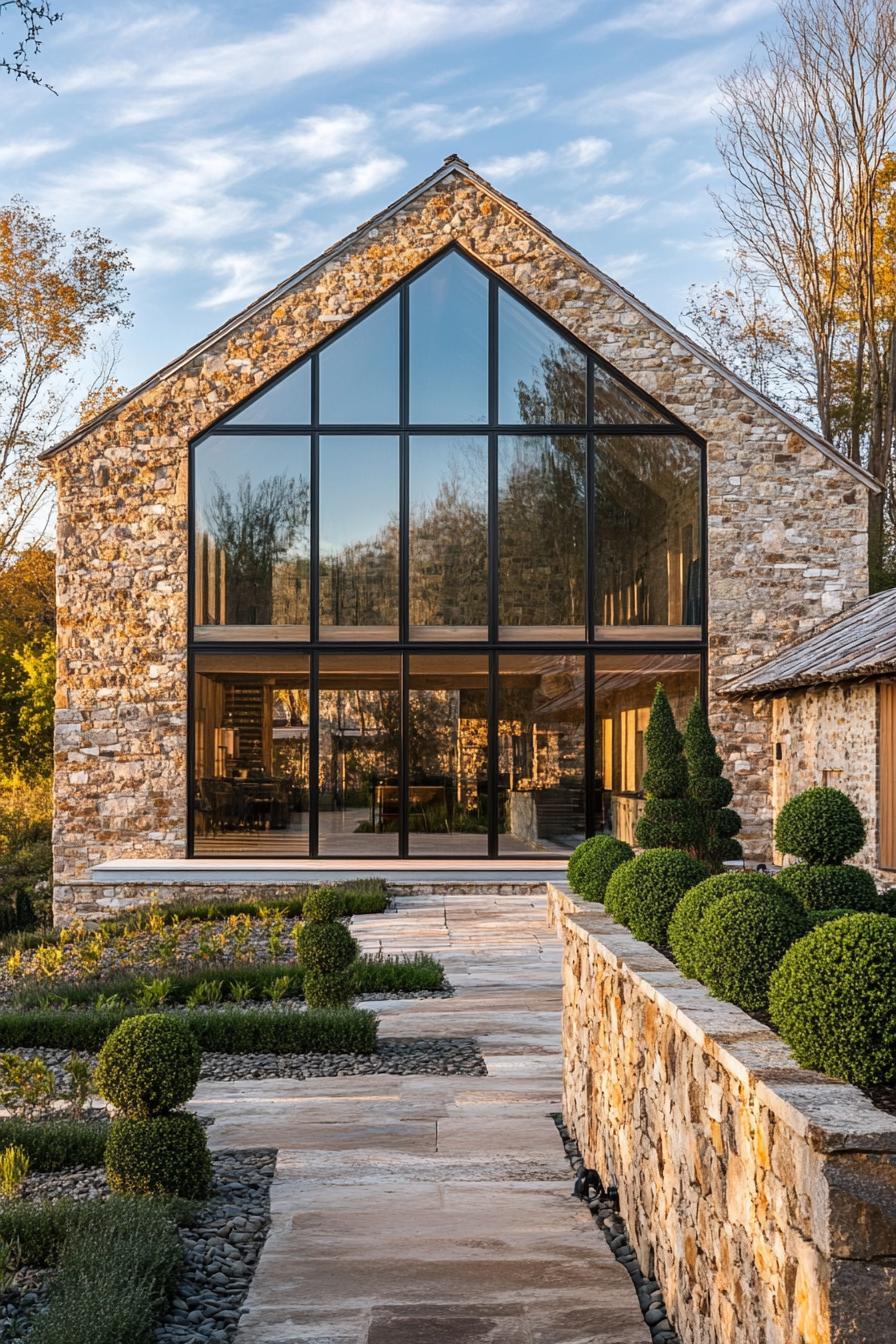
221, 1250
428, 1054
604, 1210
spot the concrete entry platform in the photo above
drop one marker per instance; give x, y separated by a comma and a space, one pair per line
434, 1210
409, 872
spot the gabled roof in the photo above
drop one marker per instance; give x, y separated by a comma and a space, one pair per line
457, 166
859, 645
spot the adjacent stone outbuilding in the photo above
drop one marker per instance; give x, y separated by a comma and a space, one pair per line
146, 767
832, 697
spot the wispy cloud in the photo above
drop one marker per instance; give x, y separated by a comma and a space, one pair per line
682, 93
683, 18
327, 135
29, 151
574, 154
594, 213
445, 121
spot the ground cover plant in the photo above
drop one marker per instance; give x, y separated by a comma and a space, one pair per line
115, 1265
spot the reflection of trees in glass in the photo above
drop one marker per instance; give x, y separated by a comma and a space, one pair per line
261, 529
449, 551
360, 733
541, 520
647, 527
359, 582
557, 393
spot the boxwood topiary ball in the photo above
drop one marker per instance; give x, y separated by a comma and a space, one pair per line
643, 892
820, 826
148, 1065
688, 913
740, 940
161, 1155
323, 905
322, 990
816, 917
593, 862
833, 999
823, 886
326, 948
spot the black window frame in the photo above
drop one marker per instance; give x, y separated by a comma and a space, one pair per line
492, 645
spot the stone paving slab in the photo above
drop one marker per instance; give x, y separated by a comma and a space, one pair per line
436, 1209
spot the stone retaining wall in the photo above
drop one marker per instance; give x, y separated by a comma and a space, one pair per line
760, 1195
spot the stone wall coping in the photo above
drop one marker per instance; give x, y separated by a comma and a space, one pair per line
831, 1116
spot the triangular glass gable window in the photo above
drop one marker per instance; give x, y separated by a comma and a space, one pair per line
285, 402
449, 344
615, 404
541, 377
359, 371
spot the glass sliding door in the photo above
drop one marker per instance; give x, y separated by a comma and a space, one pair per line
624, 687
250, 753
541, 753
448, 755
359, 754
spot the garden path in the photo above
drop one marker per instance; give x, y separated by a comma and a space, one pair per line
434, 1210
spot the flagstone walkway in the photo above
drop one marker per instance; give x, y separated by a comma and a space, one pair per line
433, 1210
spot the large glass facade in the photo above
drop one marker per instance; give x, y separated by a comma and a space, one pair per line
438, 567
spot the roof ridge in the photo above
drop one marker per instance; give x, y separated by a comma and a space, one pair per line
453, 163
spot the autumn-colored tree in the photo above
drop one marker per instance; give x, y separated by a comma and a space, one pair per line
58, 298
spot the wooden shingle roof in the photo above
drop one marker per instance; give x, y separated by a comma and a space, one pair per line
859, 645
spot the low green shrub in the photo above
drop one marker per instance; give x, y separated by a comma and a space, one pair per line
593, 862
685, 922
643, 892
180, 986
328, 989
116, 1264
160, 1155
326, 948
886, 901
323, 905
822, 886
54, 1145
740, 940
833, 999
820, 826
396, 975
816, 917
149, 1065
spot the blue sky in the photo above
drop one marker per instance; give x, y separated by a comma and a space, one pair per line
226, 144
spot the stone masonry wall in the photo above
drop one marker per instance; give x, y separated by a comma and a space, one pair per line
786, 525
829, 735
762, 1196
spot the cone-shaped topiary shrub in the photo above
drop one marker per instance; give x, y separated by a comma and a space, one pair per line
643, 892
326, 948
670, 817
592, 863
710, 790
688, 914
323, 905
820, 826
148, 1065
740, 940
833, 999
824, 886
162, 1155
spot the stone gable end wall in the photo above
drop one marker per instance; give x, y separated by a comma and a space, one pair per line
786, 526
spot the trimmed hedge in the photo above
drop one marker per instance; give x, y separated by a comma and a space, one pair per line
740, 940
164, 1155
824, 886
592, 864
369, 975
326, 948
833, 999
643, 892
820, 826
53, 1145
684, 925
230, 1031
116, 1262
149, 1065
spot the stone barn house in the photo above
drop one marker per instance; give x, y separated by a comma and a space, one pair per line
386, 569
832, 697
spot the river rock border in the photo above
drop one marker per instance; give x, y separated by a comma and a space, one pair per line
761, 1196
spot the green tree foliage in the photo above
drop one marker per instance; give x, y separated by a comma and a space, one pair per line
710, 791
671, 819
